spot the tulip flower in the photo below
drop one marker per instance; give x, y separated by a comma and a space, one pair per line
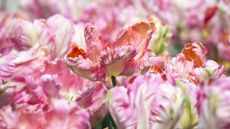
45, 34
150, 102
214, 112
56, 81
60, 117
102, 59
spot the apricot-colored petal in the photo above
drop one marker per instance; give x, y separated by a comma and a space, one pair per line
195, 52
138, 36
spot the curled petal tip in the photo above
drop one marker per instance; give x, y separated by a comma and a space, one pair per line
196, 53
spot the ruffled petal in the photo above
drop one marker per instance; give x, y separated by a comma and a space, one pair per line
86, 68
195, 52
138, 36
115, 60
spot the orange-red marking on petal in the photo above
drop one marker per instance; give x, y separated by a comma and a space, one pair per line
190, 52
156, 69
76, 51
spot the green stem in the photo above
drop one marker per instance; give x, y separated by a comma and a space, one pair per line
114, 83
108, 122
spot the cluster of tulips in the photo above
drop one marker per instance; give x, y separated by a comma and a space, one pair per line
110, 64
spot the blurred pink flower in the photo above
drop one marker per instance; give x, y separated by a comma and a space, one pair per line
179, 67
215, 105
54, 80
45, 9
212, 70
108, 22
6, 67
43, 34
5, 22
63, 116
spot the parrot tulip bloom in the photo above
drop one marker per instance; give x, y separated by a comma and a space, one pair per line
196, 53
179, 67
45, 34
187, 65
39, 89
149, 102
102, 59
88, 95
6, 22
60, 117
215, 105
190, 116
211, 70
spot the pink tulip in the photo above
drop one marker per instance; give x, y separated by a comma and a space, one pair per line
45, 34
5, 22
54, 80
211, 70
149, 102
6, 67
62, 117
215, 105
102, 59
